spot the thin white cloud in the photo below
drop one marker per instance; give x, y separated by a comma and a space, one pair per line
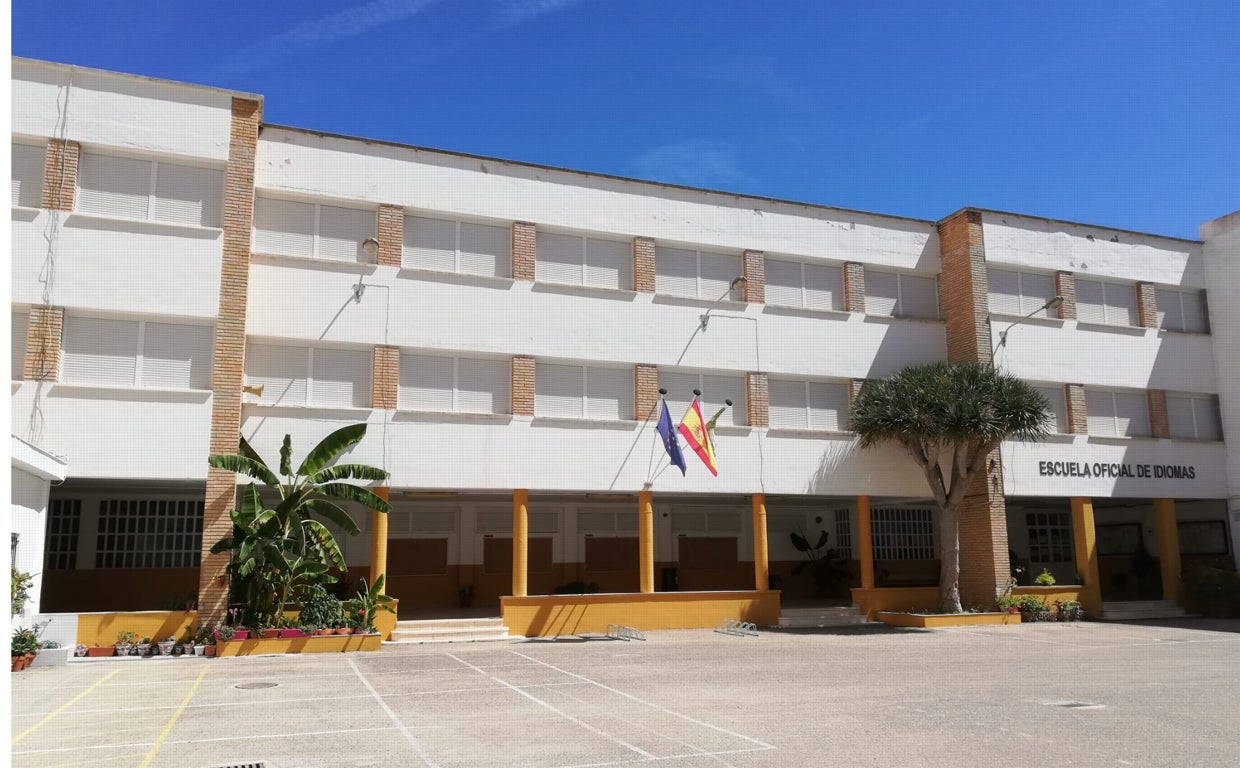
695, 163
517, 11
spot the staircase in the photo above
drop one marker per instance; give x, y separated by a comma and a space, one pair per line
448, 631
821, 616
1133, 610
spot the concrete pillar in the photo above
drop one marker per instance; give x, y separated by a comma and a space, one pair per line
379, 539
645, 540
761, 563
1168, 547
865, 543
520, 542
1083, 538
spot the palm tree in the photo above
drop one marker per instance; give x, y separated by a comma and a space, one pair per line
949, 418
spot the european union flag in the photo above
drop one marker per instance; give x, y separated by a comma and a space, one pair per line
670, 443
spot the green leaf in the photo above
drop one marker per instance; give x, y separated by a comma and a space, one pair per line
334, 515
348, 472
355, 493
330, 447
286, 456
231, 462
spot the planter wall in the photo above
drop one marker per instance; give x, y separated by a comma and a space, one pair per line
321, 644
946, 619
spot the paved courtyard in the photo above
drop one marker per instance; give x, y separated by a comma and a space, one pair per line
1036, 695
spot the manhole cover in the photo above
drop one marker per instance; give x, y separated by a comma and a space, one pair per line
252, 687
1076, 704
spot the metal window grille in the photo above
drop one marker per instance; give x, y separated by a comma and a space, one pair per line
149, 533
1050, 537
843, 534
903, 533
64, 520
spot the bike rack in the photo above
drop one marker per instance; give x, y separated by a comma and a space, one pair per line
737, 628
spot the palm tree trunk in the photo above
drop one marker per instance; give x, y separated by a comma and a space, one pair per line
949, 559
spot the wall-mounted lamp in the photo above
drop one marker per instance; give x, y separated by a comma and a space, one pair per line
370, 247
739, 282
1054, 302
253, 389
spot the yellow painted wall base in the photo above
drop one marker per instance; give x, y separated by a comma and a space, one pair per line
1051, 594
324, 644
101, 628
551, 615
871, 601
946, 619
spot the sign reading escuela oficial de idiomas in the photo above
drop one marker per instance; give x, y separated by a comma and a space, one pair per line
1107, 469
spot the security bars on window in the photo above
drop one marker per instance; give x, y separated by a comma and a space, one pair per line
149, 533
903, 533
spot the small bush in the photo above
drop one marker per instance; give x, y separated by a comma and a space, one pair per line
1044, 579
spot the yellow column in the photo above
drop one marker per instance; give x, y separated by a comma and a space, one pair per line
645, 540
761, 565
1168, 547
1083, 538
865, 543
378, 540
520, 542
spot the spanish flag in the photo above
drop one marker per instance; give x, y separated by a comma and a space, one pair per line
693, 427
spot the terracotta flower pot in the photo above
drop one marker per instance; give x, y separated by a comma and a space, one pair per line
209, 650
325, 631
270, 633
99, 651
343, 630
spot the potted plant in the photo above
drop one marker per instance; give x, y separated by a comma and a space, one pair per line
1068, 610
144, 646
24, 645
224, 633
369, 601
1033, 608
81, 650
202, 638
1044, 579
125, 642
166, 645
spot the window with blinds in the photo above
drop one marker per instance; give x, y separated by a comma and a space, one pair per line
1050, 537
322, 377
1183, 311
901, 295
26, 175
804, 285
149, 533
582, 260
1058, 418
150, 190
1106, 303
1019, 293
901, 533
583, 392
716, 389
1194, 416
454, 384
312, 230
467, 248
698, 274
1110, 413
137, 353
17, 341
808, 405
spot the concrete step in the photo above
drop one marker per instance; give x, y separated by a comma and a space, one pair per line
825, 616
1132, 610
448, 631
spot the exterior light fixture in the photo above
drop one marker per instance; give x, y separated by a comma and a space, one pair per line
736, 283
1054, 302
370, 247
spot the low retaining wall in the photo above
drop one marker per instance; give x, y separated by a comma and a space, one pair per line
321, 644
871, 601
98, 629
946, 619
551, 615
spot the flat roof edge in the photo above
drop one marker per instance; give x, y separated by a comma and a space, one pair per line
1066, 221
149, 78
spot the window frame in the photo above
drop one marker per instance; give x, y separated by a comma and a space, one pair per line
698, 253
1115, 413
837, 296
456, 384
505, 258
1210, 402
1161, 291
1130, 314
41, 150
740, 415
624, 416
152, 188
583, 280
139, 354
316, 234
898, 310
308, 401
1021, 296
843, 422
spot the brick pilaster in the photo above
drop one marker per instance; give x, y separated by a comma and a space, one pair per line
646, 391
43, 340
1074, 396
60, 167
391, 235
385, 375
524, 250
854, 287
754, 269
984, 564
963, 299
758, 397
229, 368
1147, 306
643, 264
1065, 286
522, 385
1160, 425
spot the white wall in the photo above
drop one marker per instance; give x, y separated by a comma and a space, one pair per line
1222, 258
29, 518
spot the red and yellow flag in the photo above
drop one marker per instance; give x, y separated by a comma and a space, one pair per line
693, 427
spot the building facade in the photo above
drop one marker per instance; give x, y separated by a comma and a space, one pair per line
504, 329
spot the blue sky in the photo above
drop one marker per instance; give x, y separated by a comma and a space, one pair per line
1124, 114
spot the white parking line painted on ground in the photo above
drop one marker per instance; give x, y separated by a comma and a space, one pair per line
400, 726
136, 745
715, 754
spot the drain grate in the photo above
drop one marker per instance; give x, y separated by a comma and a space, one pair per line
244, 765
253, 687
1077, 704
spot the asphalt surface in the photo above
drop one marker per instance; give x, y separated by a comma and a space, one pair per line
1087, 694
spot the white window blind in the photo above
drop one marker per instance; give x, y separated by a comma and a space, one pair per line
1182, 310
468, 248
324, 377
27, 175
452, 384
1117, 414
1105, 303
1058, 419
143, 353
1194, 417
581, 260
715, 388
812, 405
901, 295
698, 274
17, 339
340, 378
312, 230
1019, 293
583, 392
154, 190
560, 259
800, 284
282, 371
